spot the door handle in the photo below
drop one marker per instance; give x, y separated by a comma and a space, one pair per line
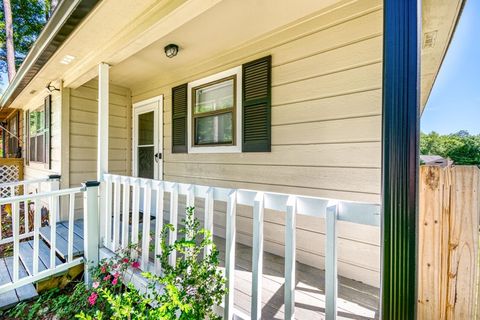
158, 156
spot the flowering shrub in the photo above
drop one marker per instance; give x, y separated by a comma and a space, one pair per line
186, 290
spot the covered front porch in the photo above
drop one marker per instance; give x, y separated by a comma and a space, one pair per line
287, 175
272, 286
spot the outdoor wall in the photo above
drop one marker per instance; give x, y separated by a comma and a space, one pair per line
83, 132
326, 131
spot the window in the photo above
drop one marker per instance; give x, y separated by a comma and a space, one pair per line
37, 135
13, 136
214, 113
226, 112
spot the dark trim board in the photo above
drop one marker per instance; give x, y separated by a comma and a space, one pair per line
400, 135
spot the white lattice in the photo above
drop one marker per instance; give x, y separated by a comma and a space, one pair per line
8, 173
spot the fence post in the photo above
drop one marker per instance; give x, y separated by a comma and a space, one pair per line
91, 227
331, 281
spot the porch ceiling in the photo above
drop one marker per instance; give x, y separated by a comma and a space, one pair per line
203, 43
131, 38
228, 27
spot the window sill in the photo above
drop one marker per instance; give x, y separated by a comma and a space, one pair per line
216, 149
38, 165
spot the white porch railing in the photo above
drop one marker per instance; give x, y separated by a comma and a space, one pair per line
119, 228
12, 189
36, 201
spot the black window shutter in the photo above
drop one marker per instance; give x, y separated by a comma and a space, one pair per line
48, 135
179, 118
257, 113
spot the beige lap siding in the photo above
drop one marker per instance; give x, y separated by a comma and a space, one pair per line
326, 131
83, 133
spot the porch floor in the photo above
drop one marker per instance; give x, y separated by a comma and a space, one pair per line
356, 300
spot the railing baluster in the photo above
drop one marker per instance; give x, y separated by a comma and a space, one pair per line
12, 191
71, 224
26, 218
230, 254
37, 220
125, 212
159, 226
116, 214
147, 205
208, 218
135, 214
290, 258
16, 239
53, 228
191, 196
257, 256
107, 237
331, 285
174, 221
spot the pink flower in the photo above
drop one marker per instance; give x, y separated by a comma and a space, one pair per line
93, 298
95, 285
107, 277
115, 281
136, 264
103, 269
116, 275
126, 260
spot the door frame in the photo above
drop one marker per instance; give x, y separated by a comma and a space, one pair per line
155, 104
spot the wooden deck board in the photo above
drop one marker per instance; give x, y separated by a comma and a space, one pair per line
26, 255
356, 300
62, 236
23, 293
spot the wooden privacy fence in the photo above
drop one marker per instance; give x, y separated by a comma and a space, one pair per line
448, 242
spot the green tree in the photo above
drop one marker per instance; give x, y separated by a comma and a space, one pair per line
28, 17
461, 147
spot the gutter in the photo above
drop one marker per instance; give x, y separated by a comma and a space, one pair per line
67, 16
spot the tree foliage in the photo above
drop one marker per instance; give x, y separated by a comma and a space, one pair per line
29, 17
461, 147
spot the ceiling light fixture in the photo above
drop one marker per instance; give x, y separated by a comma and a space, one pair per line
171, 50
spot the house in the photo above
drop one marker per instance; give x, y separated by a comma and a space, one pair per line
275, 96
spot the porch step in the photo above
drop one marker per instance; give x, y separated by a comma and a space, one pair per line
62, 238
26, 256
10, 298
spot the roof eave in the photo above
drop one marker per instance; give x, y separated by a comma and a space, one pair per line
67, 16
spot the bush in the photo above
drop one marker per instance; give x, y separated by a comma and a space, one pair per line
187, 290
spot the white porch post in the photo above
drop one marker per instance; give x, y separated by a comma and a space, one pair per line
102, 146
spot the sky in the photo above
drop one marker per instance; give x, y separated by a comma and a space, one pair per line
454, 103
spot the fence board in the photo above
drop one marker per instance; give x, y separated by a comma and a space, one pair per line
448, 242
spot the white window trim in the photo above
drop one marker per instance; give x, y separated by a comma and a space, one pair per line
237, 148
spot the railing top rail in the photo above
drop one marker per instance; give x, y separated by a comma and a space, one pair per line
24, 182
41, 195
356, 212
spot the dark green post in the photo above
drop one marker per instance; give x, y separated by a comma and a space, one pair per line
400, 134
